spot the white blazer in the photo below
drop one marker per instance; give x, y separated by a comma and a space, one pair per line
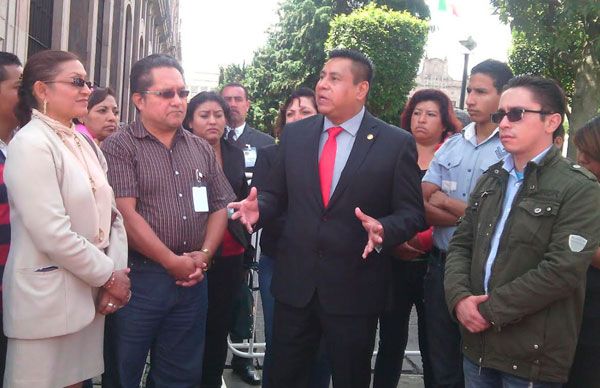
52, 269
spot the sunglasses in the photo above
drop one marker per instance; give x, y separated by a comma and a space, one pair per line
76, 81
168, 94
514, 114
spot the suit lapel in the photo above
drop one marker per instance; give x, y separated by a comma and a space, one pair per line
313, 162
365, 137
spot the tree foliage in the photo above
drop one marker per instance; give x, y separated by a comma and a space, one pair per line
394, 41
295, 51
559, 39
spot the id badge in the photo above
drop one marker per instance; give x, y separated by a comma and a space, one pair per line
249, 156
199, 194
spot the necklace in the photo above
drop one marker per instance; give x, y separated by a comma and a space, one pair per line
78, 143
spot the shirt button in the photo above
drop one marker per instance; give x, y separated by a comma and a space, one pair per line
185, 217
469, 170
514, 367
180, 195
185, 243
464, 194
176, 172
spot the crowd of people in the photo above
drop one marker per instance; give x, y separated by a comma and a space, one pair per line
126, 248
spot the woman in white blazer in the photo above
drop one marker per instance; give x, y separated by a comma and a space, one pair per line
67, 262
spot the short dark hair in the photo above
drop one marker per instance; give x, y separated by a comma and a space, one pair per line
41, 66
362, 66
587, 139
545, 91
235, 85
451, 124
200, 99
300, 92
98, 95
140, 78
7, 59
496, 70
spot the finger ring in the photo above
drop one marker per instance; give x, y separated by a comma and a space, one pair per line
111, 305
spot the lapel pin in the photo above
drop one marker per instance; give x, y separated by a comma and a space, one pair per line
370, 136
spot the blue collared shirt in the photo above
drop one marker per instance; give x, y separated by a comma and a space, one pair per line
515, 180
345, 141
456, 167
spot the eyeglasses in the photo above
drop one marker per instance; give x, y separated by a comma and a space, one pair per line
514, 114
76, 81
168, 94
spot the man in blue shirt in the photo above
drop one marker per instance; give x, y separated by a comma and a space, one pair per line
452, 174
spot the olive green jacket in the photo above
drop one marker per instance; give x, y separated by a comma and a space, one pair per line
537, 285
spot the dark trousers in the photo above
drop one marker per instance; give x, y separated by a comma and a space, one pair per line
3, 343
163, 318
297, 333
443, 335
393, 325
320, 372
585, 371
224, 280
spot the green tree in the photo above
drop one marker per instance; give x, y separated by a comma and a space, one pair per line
559, 39
394, 41
232, 73
295, 51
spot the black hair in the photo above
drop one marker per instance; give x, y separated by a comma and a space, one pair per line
300, 92
140, 78
498, 71
41, 66
545, 91
235, 85
449, 121
200, 99
7, 59
98, 95
362, 68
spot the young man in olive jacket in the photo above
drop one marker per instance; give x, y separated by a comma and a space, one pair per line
515, 272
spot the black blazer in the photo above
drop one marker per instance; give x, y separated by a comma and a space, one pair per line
253, 137
321, 249
233, 167
271, 232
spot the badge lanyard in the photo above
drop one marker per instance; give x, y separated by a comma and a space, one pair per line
199, 193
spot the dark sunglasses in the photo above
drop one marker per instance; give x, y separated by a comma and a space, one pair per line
168, 94
76, 81
514, 114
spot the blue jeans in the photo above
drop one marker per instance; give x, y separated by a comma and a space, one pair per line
321, 370
163, 318
476, 377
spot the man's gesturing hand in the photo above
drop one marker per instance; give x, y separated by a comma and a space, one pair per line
374, 230
246, 210
467, 312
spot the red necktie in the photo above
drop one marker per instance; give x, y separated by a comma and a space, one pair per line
327, 162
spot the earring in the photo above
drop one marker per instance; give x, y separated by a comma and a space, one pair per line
44, 106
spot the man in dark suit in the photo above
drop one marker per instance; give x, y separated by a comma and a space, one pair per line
351, 187
239, 132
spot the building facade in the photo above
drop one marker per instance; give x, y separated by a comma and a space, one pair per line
434, 75
108, 35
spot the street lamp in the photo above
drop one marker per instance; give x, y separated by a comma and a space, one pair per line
469, 44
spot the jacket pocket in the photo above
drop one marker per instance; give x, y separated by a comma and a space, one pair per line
534, 221
39, 302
